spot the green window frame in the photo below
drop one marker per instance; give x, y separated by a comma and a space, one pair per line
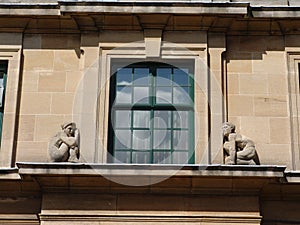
3, 78
152, 114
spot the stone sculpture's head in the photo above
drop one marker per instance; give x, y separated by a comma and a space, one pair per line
228, 128
69, 128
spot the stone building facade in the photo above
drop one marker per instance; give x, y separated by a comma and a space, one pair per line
202, 61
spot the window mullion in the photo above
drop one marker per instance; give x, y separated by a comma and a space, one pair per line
152, 103
132, 116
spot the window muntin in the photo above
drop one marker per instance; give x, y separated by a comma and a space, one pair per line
152, 114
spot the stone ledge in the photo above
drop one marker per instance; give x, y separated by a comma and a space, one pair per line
153, 7
91, 169
278, 12
292, 176
183, 219
9, 174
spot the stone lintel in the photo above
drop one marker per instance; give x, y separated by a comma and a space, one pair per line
150, 170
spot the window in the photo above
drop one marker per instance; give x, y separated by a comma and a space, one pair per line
3, 76
152, 114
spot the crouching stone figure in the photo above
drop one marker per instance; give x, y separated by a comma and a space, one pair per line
238, 150
64, 146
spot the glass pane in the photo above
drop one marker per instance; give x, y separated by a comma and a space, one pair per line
122, 139
140, 157
180, 119
163, 77
141, 139
181, 77
162, 157
122, 157
180, 139
124, 76
162, 119
141, 119
162, 139
141, 95
181, 96
123, 119
180, 157
164, 95
123, 95
141, 76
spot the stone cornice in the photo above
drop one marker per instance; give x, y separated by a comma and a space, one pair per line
150, 170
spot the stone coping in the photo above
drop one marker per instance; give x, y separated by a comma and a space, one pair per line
61, 7
93, 169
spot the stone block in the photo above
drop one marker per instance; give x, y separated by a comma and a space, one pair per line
32, 41
73, 80
92, 204
292, 40
207, 183
88, 182
52, 82
280, 131
29, 151
240, 63
66, 60
152, 204
274, 154
275, 43
90, 40
217, 40
35, 103
26, 127
91, 57
270, 62
278, 84
275, 105
30, 81
47, 126
240, 105
252, 43
232, 44
294, 3
11, 38
222, 204
180, 37
233, 84
38, 60
273, 210
256, 128
59, 41
62, 103
253, 84
265, 2
121, 36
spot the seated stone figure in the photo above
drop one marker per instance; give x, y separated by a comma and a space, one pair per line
238, 150
64, 146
